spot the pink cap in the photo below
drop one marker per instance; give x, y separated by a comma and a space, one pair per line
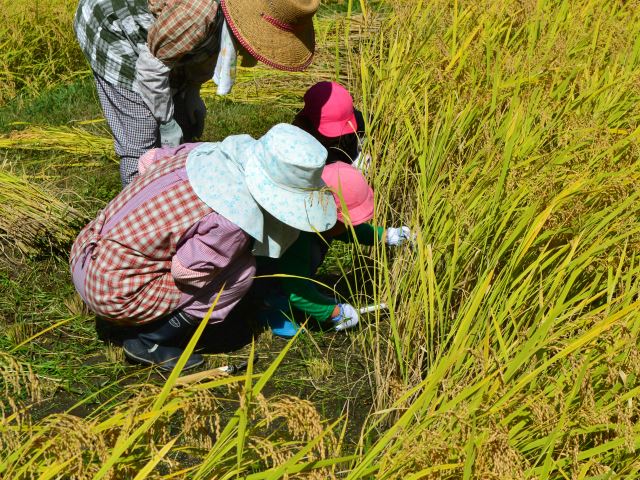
329, 108
348, 185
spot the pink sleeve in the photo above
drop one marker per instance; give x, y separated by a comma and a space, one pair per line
206, 248
155, 155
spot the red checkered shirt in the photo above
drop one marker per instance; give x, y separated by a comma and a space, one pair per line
180, 26
178, 32
128, 277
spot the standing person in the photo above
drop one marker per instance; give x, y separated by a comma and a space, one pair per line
329, 115
157, 256
297, 290
149, 59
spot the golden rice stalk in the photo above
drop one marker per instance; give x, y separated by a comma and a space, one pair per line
72, 140
16, 379
18, 385
38, 48
32, 219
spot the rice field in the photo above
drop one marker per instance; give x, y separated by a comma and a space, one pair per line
506, 134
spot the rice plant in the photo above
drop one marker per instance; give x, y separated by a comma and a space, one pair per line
75, 141
37, 46
507, 134
184, 427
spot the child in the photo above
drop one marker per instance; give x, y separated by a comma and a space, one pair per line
161, 251
354, 201
329, 116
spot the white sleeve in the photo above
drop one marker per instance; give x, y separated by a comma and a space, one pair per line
152, 83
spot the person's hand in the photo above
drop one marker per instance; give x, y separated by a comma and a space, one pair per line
196, 111
170, 134
397, 236
347, 318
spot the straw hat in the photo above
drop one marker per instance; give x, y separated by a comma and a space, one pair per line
283, 173
279, 33
351, 192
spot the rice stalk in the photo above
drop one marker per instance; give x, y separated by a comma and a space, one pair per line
72, 140
38, 48
32, 219
176, 434
507, 136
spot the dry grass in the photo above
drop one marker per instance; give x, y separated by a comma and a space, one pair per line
33, 219
76, 141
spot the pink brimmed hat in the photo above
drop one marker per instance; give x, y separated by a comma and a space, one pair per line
352, 193
329, 108
279, 33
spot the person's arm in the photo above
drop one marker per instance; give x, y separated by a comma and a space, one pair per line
180, 26
365, 234
302, 292
206, 248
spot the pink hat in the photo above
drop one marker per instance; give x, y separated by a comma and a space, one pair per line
329, 108
352, 193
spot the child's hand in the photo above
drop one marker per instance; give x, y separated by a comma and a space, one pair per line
398, 236
347, 318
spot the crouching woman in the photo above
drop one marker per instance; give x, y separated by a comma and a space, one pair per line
187, 229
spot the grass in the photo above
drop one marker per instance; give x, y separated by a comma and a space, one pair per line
506, 135
58, 105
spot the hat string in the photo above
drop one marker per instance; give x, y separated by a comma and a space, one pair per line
277, 23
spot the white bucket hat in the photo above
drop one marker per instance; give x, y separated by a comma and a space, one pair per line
284, 174
271, 188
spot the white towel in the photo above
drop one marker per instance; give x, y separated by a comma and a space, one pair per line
224, 74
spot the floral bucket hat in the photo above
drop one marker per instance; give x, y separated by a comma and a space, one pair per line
271, 187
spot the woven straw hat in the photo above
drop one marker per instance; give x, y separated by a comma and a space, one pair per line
279, 33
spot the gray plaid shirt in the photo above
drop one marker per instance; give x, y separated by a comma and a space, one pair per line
109, 32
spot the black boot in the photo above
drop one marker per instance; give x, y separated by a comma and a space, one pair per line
233, 333
110, 332
162, 342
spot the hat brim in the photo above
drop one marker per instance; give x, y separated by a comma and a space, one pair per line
290, 50
337, 129
308, 211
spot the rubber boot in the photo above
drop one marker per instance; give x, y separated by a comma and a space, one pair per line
110, 332
161, 343
279, 323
